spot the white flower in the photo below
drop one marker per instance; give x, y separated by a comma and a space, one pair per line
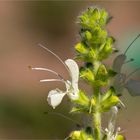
55, 96
110, 131
122, 80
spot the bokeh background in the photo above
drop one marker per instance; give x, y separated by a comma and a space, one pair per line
23, 105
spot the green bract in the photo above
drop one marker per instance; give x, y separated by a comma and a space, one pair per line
92, 17
120, 137
87, 74
82, 104
105, 49
80, 135
81, 48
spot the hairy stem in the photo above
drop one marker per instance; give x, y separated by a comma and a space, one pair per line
97, 115
97, 125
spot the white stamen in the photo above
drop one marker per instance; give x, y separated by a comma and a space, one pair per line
54, 55
49, 70
52, 80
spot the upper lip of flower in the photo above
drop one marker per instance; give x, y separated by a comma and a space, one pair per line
111, 124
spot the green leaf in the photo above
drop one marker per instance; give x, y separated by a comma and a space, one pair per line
108, 94
108, 100
85, 58
92, 106
100, 83
80, 109
105, 49
80, 47
98, 36
82, 104
93, 102
82, 100
120, 137
88, 35
101, 72
83, 134
92, 17
85, 54
103, 17
108, 103
87, 74
103, 14
75, 135
101, 77
92, 54
95, 14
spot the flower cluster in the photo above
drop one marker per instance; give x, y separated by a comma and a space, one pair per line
55, 96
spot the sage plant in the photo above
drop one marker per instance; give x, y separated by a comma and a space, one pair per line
94, 47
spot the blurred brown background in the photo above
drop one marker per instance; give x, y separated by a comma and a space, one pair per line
53, 23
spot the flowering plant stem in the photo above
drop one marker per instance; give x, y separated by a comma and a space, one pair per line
97, 116
97, 125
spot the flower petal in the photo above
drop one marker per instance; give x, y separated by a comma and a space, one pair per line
118, 62
118, 83
76, 90
55, 97
73, 69
133, 87
112, 122
72, 92
74, 73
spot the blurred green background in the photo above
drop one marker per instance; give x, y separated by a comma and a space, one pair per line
53, 23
